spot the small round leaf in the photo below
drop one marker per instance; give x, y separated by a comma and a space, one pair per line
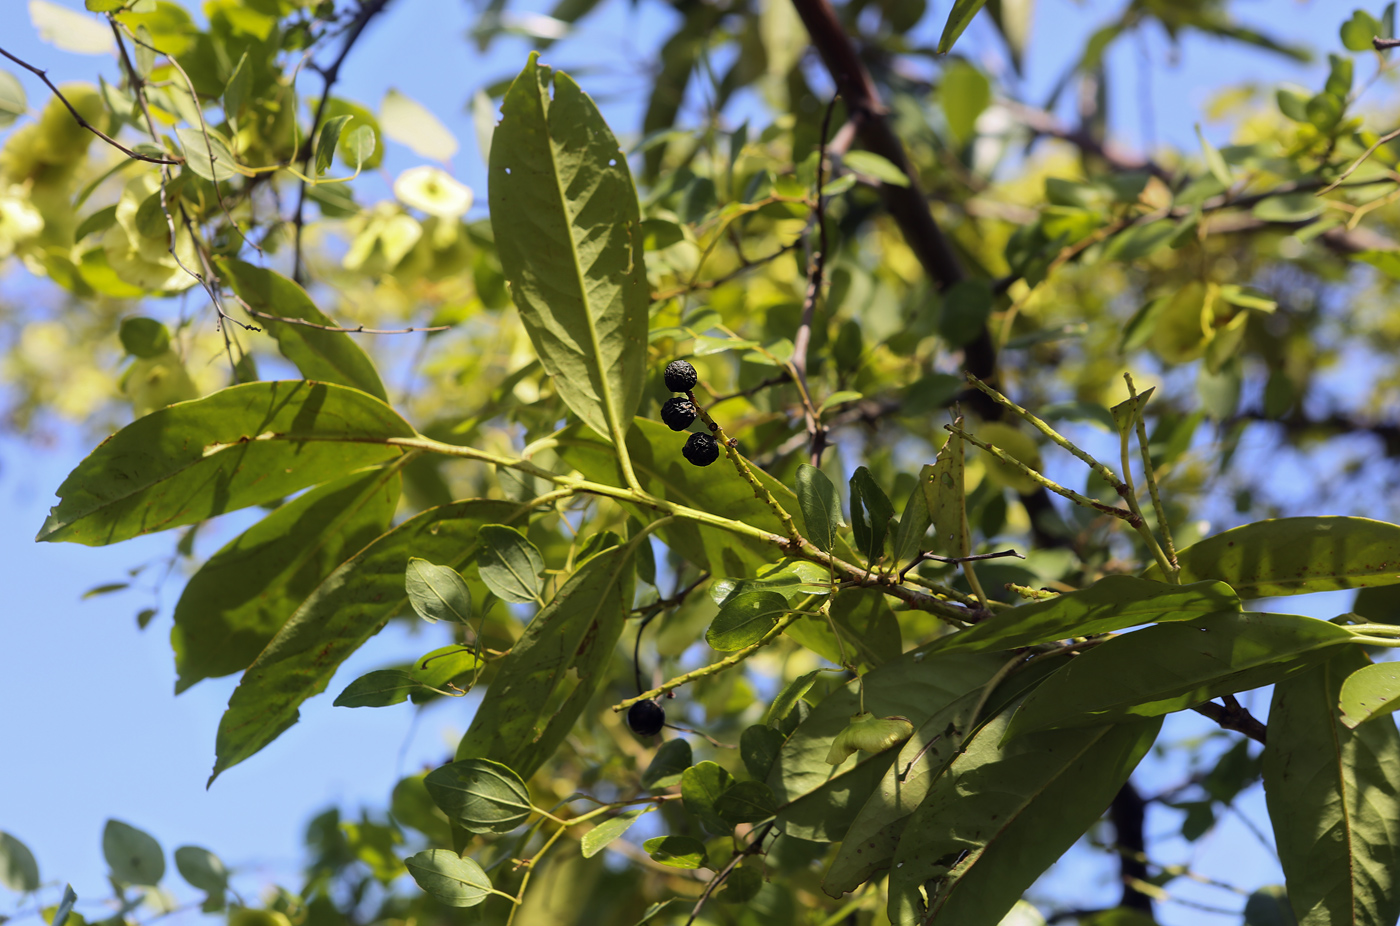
479, 795
449, 878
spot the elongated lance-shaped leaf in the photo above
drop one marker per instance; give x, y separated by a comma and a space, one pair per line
1294, 556
821, 506
914, 522
569, 642
344, 611
1334, 800
958, 19
1112, 603
1170, 667
597, 839
1002, 814
947, 500
241, 446
244, 593
871, 513
568, 230
325, 356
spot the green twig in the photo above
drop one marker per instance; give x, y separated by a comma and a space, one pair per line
1149, 475
759, 490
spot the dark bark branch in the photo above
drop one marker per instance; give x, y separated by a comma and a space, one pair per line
1235, 718
1043, 124
1127, 813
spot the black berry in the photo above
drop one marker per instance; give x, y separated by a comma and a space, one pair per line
701, 449
678, 413
680, 376
646, 718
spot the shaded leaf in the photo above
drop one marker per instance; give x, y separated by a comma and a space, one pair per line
18, 869
758, 747
958, 19
746, 802
380, 688
676, 852
745, 619
870, 531
821, 506
1334, 800
449, 878
670, 762
787, 698
510, 565
241, 446
133, 856
327, 140
568, 230
479, 795
202, 869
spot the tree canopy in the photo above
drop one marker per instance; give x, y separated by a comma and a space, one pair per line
825, 492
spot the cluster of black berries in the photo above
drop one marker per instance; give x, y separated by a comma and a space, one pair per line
679, 411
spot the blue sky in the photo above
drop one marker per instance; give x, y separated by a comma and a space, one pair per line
90, 728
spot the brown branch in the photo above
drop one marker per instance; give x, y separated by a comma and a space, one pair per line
754, 846
1127, 814
1380, 44
816, 271
1043, 124
1233, 716
358, 329
329, 75
44, 76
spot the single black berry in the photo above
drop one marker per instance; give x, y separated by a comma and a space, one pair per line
646, 718
678, 413
681, 376
701, 449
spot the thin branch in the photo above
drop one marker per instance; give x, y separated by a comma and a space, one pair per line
44, 76
816, 271
1234, 717
956, 560
329, 75
358, 329
754, 846
1044, 124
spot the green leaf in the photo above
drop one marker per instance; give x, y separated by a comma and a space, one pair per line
1334, 800
869, 630
13, 102
70, 30
1358, 31
1294, 556
18, 869
449, 878
510, 565
662, 471
327, 141
202, 869
746, 801
676, 852
1369, 692
378, 689
438, 593
821, 506
838, 398
964, 93
874, 835
479, 795
568, 230
1139, 241
325, 356
144, 337
1042, 791
65, 906
344, 611
1170, 667
565, 648
207, 154
133, 856
958, 18
870, 532
442, 667
1112, 603
965, 310
787, 698
241, 446
914, 522
597, 839
947, 500
818, 802
410, 123
358, 147
744, 619
701, 788
235, 604
873, 165
668, 765
1268, 906
236, 91
1215, 163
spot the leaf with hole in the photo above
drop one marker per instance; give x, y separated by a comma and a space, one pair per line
133, 856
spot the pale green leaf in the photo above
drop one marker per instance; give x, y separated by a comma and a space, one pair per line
237, 89
437, 593
133, 856
958, 19
510, 565
202, 869
1214, 161
821, 506
13, 102
410, 123
676, 851
873, 165
597, 839
449, 878
18, 869
964, 93
1370, 691
327, 141
207, 154
568, 230
70, 30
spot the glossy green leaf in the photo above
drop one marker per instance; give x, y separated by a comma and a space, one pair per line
510, 565
449, 878
1002, 814
1294, 556
380, 688
668, 765
676, 851
873, 165
568, 230
241, 446
701, 788
133, 856
1334, 800
1112, 603
438, 593
565, 648
958, 19
818, 802
410, 123
344, 611
874, 835
202, 869
744, 619
325, 356
791, 578
821, 506
18, 869
1371, 691
657, 460
871, 513
245, 592
144, 337
1170, 667
746, 802
327, 140
479, 795
597, 839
